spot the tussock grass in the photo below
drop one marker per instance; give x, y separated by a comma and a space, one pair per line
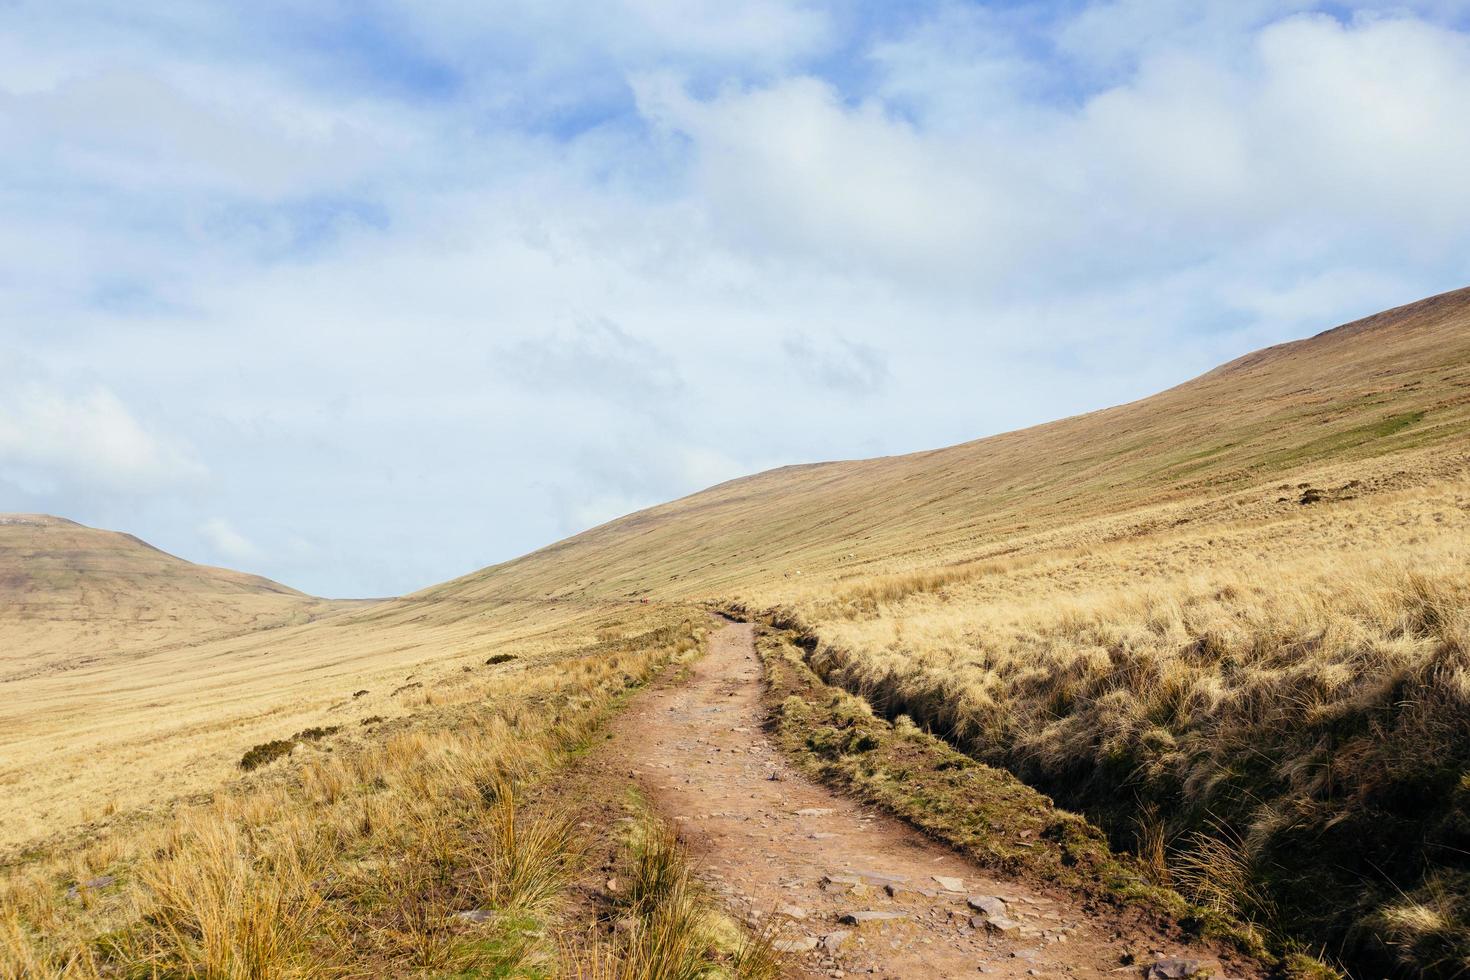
983, 810
1285, 741
667, 926
530, 857
405, 850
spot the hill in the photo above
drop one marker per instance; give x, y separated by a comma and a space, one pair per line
71, 595
1381, 387
1228, 622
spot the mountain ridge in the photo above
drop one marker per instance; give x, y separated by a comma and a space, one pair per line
1325, 396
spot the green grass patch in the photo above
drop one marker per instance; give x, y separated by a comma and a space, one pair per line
1337, 443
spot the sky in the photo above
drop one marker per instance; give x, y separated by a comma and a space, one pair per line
365, 295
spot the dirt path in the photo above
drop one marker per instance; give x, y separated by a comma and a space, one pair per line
775, 844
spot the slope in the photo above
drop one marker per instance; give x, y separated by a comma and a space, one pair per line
1002, 591
70, 595
1383, 386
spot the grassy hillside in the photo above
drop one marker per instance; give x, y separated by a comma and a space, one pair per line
117, 659
72, 595
1378, 388
1229, 621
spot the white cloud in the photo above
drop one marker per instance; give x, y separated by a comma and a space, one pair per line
551, 36
49, 438
790, 166
1337, 133
229, 543
761, 28
474, 275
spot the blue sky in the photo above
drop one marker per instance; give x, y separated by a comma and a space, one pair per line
362, 296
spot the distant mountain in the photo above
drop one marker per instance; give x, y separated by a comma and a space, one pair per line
71, 595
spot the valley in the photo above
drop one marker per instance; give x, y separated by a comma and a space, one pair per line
1227, 626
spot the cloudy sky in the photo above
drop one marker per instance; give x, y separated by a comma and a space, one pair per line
364, 295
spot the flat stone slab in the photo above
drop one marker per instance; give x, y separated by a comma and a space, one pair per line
857, 918
840, 882
987, 904
82, 886
803, 945
996, 923
949, 884
1173, 968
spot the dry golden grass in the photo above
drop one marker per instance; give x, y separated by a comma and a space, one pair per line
76, 741
667, 925
1274, 714
1240, 601
348, 864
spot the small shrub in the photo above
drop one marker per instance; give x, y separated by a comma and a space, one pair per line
859, 742
266, 752
501, 658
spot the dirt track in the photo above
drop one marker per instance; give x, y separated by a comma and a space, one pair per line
773, 843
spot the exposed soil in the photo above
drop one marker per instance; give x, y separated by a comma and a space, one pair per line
781, 849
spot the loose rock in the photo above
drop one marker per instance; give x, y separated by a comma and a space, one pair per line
988, 904
101, 882
1173, 968
858, 918
803, 945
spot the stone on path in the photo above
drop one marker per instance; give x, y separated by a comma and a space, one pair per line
949, 884
1173, 968
859, 918
832, 940
803, 945
832, 883
994, 923
988, 904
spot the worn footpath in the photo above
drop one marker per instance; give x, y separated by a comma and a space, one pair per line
847, 890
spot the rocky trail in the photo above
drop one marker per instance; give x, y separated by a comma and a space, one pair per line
852, 890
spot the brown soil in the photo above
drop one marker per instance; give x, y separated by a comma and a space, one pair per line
781, 849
